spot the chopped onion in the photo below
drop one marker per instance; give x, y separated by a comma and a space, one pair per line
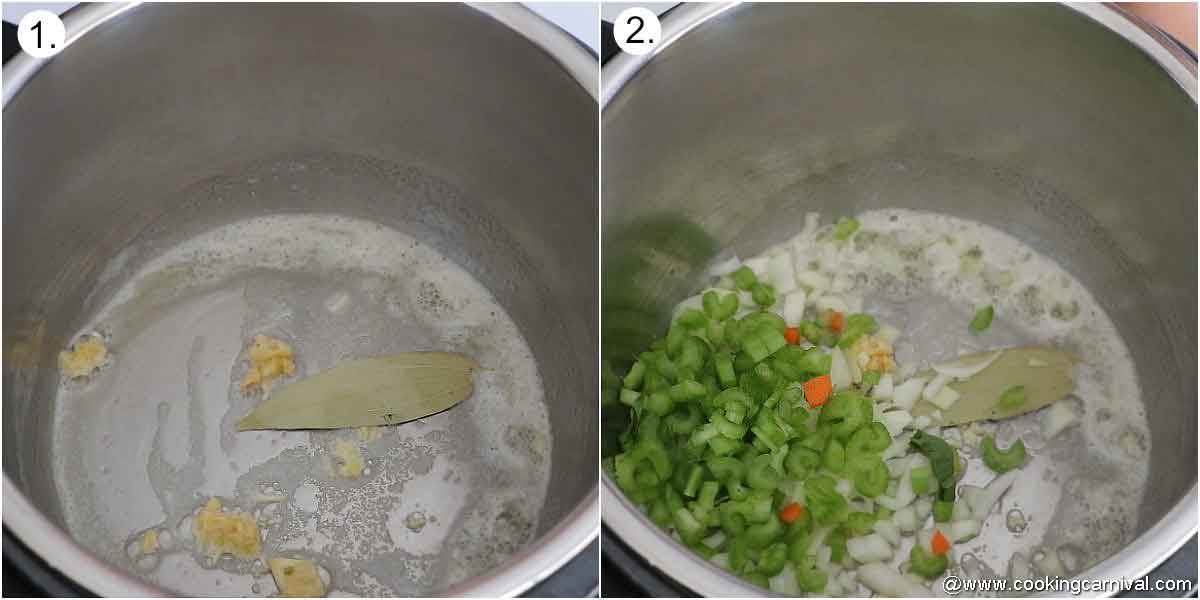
793, 306
831, 302
890, 583
924, 507
849, 581
961, 531
839, 371
844, 487
939, 381
888, 530
815, 281
758, 264
869, 548
962, 512
904, 491
906, 519
852, 365
924, 539
895, 421
899, 447
725, 267
780, 272
1059, 417
987, 498
905, 395
969, 494
964, 368
824, 554
785, 582
945, 398
884, 389
921, 422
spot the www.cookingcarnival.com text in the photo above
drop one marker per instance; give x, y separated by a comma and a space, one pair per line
955, 585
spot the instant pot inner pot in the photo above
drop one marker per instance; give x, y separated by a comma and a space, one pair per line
1032, 119
358, 180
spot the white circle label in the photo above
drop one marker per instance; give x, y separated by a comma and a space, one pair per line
637, 30
41, 34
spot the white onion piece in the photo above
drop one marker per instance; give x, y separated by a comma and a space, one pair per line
785, 582
888, 530
986, 499
970, 494
961, 531
924, 539
886, 581
939, 381
852, 364
869, 548
905, 395
906, 519
884, 389
781, 274
725, 267
793, 306
831, 302
844, 487
1059, 417
895, 421
839, 371
924, 507
964, 368
945, 398
815, 281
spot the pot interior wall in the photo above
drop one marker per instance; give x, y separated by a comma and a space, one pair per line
433, 120
1032, 119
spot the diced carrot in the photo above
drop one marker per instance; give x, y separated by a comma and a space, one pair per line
792, 335
817, 390
791, 512
837, 321
939, 543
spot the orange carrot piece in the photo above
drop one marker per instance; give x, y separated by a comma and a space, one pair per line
817, 390
792, 335
837, 321
939, 543
791, 512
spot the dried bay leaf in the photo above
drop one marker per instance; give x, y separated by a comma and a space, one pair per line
1045, 373
365, 392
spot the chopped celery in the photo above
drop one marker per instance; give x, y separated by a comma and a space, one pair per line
763, 294
999, 460
921, 478
744, 278
983, 319
845, 227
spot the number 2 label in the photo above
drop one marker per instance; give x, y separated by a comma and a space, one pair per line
637, 30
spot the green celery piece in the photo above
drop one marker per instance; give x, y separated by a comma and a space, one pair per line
981, 393
983, 319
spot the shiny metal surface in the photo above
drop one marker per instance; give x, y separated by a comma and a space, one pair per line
469, 129
1071, 127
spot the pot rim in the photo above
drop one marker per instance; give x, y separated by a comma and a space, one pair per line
534, 563
666, 554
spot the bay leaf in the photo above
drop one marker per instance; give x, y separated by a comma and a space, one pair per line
383, 390
1045, 373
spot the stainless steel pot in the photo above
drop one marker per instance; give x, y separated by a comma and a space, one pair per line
470, 130
1072, 127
